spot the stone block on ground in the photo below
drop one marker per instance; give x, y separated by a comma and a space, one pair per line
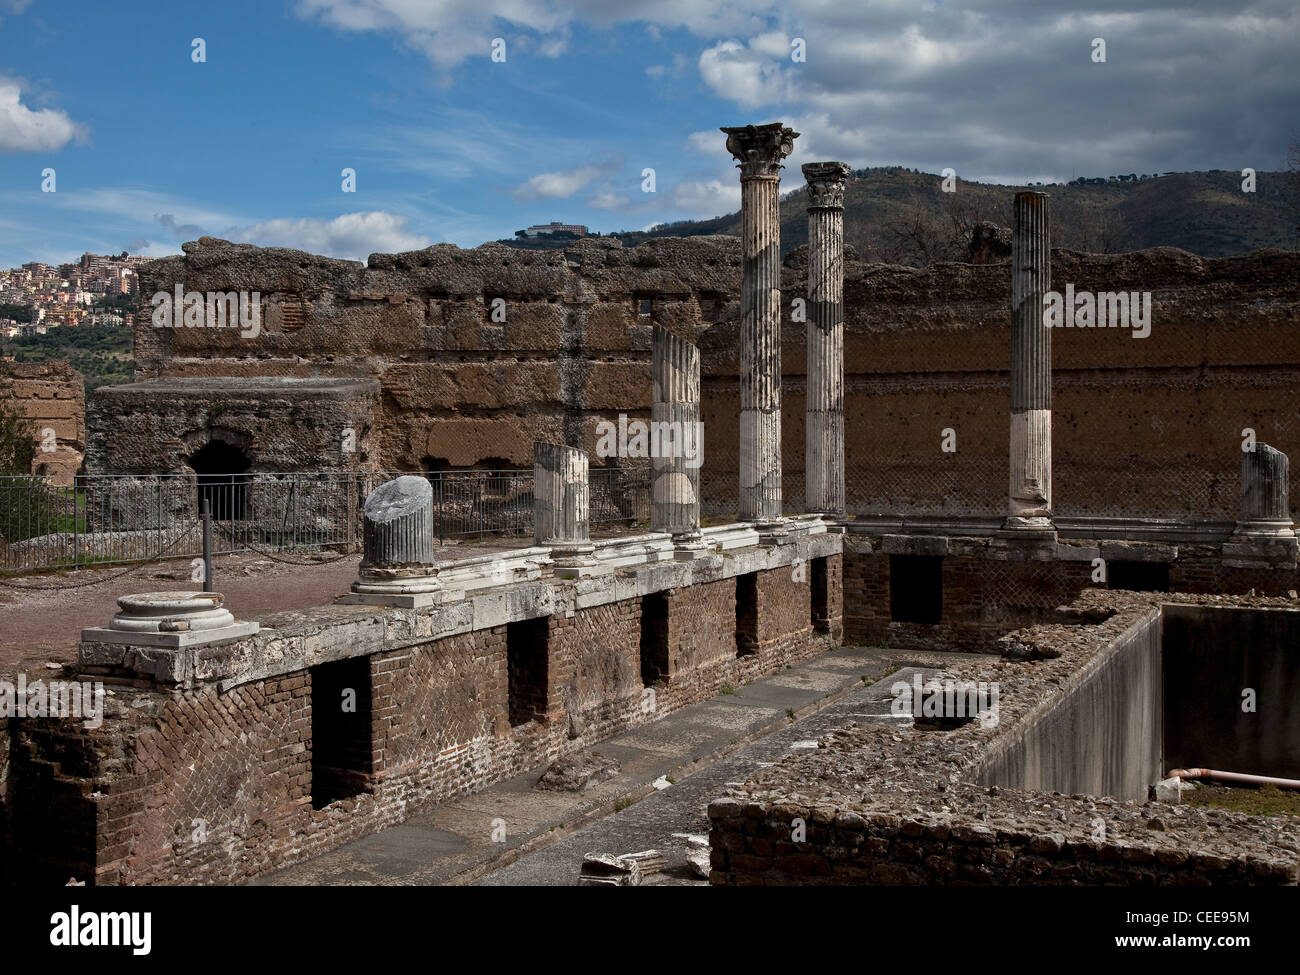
579, 771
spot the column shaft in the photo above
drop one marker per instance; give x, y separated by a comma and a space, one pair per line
760, 351
677, 435
759, 150
560, 498
824, 419
1030, 500
1265, 486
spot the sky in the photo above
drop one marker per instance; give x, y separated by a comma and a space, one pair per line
466, 120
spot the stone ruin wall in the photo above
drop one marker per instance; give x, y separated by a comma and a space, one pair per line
52, 395
924, 350
229, 743
882, 801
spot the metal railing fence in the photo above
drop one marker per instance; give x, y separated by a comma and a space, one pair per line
105, 519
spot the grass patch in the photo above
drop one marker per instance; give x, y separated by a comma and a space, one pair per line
1266, 800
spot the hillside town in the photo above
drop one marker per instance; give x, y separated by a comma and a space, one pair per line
95, 290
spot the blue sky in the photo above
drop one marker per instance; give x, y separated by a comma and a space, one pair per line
151, 148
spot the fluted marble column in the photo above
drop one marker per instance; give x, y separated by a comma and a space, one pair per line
759, 150
561, 506
824, 414
1265, 492
399, 538
675, 420
1030, 501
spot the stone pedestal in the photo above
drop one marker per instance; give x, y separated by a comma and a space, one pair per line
561, 506
399, 538
170, 620
1030, 496
759, 150
824, 416
675, 413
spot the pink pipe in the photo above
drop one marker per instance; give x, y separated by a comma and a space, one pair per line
1209, 773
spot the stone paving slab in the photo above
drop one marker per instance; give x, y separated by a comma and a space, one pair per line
662, 821
453, 842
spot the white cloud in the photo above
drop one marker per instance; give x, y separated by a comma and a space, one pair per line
608, 200
706, 198
559, 185
353, 236
747, 75
449, 32
25, 130
710, 142
143, 207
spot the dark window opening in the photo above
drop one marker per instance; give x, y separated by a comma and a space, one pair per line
654, 638
1138, 576
644, 305
915, 588
820, 610
747, 614
222, 479
527, 649
342, 755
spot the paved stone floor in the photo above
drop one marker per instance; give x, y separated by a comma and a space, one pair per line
692, 752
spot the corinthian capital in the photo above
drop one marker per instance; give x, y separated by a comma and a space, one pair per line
760, 148
825, 184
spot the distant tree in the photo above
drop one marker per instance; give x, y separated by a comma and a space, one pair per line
17, 441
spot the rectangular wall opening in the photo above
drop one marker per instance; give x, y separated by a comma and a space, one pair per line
1138, 576
747, 614
342, 753
527, 663
654, 638
819, 597
915, 588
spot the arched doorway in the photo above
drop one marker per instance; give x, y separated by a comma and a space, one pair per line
222, 479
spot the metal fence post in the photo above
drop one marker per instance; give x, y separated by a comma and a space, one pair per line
441, 537
76, 533
351, 488
206, 514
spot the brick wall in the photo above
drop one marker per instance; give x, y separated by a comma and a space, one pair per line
52, 395
574, 350
6, 837
985, 596
204, 786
